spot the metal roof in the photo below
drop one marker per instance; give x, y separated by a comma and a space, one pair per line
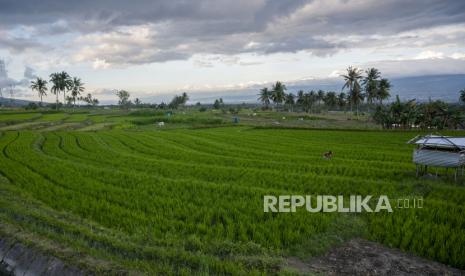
439, 141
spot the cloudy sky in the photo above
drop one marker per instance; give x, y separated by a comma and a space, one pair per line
151, 47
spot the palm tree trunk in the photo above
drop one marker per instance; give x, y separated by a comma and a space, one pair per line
56, 104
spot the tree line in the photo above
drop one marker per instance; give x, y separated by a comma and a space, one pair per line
412, 114
63, 83
125, 102
357, 87
371, 89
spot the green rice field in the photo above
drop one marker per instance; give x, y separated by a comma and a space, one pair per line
190, 200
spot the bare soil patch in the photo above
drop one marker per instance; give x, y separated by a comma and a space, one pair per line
362, 257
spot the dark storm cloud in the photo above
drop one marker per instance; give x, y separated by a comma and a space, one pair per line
178, 29
111, 13
245, 15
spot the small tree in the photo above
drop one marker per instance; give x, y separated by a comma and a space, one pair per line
123, 96
218, 103
89, 100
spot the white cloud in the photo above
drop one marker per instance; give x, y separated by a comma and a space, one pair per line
458, 56
100, 64
429, 55
335, 74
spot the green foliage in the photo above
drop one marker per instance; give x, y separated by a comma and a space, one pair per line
407, 114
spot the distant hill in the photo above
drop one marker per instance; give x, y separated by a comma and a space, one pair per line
422, 88
444, 87
14, 102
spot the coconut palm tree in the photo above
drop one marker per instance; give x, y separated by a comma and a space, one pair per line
39, 85
76, 89
278, 92
61, 82
56, 86
309, 100
462, 96
341, 100
351, 82
330, 99
289, 100
384, 89
320, 96
370, 83
265, 96
67, 83
356, 96
300, 98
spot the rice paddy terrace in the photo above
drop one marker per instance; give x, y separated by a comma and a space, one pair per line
182, 201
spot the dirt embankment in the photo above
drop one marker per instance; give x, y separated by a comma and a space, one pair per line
17, 259
362, 257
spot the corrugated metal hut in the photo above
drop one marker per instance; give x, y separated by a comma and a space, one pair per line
439, 151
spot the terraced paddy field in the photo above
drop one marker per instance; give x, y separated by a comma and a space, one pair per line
49, 120
183, 201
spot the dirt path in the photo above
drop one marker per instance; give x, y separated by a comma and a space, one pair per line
362, 257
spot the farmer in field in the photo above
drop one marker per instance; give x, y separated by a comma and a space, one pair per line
328, 155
